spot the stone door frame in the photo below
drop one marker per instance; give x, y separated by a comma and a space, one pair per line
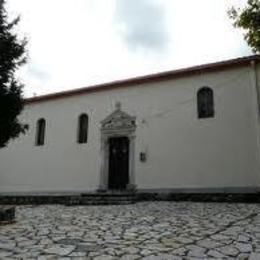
118, 124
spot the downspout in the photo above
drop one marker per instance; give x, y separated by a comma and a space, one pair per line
255, 84
256, 100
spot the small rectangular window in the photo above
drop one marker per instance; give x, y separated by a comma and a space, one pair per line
83, 129
205, 102
40, 132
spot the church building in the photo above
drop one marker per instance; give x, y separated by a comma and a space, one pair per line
188, 130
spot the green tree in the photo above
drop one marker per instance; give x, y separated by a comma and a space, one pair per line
12, 56
248, 19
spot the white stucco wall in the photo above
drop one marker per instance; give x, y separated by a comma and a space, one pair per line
182, 150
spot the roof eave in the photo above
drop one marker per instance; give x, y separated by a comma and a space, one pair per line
147, 78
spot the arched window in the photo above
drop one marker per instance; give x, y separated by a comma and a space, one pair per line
40, 132
83, 129
205, 100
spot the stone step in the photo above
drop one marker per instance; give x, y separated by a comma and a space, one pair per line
81, 201
98, 198
106, 198
108, 194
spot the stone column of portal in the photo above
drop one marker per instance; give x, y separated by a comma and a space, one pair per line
103, 154
131, 185
106, 170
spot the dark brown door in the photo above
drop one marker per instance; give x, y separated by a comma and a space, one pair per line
118, 163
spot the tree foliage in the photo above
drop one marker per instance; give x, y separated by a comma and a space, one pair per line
12, 56
249, 20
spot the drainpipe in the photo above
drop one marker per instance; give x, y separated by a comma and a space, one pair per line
256, 100
255, 84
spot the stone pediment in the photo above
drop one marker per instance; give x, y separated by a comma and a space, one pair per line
118, 120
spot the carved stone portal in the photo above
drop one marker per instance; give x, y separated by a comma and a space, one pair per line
117, 124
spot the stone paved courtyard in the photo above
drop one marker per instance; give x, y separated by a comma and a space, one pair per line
146, 230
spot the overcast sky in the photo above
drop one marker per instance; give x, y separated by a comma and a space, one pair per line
76, 43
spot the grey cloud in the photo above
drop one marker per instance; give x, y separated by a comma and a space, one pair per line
142, 23
38, 73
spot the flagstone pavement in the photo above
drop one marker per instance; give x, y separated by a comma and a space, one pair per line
145, 230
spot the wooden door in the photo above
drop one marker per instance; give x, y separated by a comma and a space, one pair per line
118, 163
